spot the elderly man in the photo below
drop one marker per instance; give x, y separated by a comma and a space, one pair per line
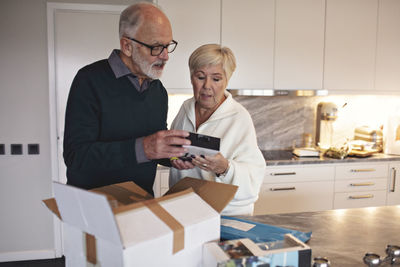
115, 123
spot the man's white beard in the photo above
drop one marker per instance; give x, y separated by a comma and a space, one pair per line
145, 67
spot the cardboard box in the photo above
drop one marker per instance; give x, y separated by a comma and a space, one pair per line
244, 252
122, 225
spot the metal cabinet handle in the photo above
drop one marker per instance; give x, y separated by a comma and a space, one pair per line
362, 196
362, 184
282, 173
283, 188
393, 187
362, 170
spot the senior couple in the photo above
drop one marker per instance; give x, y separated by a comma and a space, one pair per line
115, 124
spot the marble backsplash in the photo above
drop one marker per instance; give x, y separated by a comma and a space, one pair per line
282, 121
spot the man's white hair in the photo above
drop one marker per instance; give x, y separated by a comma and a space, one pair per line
131, 18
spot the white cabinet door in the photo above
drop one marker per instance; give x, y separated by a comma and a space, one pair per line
388, 47
248, 29
350, 44
359, 199
299, 44
361, 171
393, 192
161, 182
296, 189
294, 197
194, 23
360, 185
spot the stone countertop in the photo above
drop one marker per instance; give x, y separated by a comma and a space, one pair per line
285, 157
343, 236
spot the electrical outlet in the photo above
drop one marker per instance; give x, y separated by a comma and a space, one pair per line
2, 149
33, 149
16, 149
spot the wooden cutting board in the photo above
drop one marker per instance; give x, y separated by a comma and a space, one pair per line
362, 153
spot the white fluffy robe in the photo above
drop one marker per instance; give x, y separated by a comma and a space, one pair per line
233, 124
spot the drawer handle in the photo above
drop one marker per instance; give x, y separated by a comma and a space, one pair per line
362, 184
362, 196
283, 188
393, 187
282, 173
362, 170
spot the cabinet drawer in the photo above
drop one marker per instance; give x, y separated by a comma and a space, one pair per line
361, 171
359, 199
164, 176
294, 197
299, 174
361, 185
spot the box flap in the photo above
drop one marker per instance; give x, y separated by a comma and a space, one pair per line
52, 205
87, 211
217, 195
123, 193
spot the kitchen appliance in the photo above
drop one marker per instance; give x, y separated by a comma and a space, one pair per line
373, 138
392, 135
326, 115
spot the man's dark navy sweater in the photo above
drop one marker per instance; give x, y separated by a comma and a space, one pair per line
104, 116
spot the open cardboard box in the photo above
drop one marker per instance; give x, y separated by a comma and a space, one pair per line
123, 225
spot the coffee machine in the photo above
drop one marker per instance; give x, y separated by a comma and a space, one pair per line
326, 115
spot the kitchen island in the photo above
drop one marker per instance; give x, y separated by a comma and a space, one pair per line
345, 235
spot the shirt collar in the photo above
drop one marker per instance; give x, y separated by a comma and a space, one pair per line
120, 69
117, 65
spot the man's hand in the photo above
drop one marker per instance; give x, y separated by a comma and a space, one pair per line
181, 165
165, 144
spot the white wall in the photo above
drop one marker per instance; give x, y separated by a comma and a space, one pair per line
26, 226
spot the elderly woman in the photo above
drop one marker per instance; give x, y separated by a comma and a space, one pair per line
213, 111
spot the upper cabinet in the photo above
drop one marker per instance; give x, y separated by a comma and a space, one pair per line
248, 29
194, 23
388, 47
344, 46
299, 44
350, 44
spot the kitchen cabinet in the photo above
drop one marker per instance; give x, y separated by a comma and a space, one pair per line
388, 47
360, 185
194, 23
247, 27
161, 182
299, 44
393, 188
350, 44
295, 189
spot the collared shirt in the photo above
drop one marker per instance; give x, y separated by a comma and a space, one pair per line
120, 69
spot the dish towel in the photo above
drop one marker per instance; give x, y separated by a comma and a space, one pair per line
235, 228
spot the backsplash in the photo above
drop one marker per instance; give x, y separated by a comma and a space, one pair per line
281, 121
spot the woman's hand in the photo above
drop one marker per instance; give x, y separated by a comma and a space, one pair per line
217, 164
181, 165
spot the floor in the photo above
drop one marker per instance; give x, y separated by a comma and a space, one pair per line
38, 263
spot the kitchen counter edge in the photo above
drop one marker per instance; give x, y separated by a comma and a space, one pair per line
324, 160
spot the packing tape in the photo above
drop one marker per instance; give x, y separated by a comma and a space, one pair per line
173, 224
91, 248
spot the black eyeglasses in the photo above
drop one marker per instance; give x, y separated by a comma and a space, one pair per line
156, 50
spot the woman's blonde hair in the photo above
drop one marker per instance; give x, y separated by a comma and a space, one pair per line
213, 54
